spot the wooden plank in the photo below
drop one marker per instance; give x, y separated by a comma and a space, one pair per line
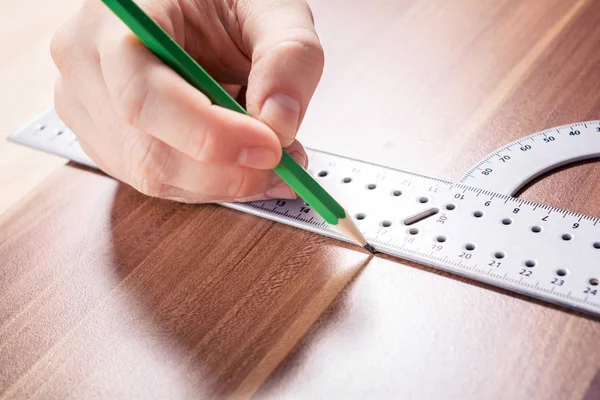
104, 292
403, 333
185, 300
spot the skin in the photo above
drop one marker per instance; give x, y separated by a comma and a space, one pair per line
145, 126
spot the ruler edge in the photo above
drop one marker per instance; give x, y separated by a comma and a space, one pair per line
12, 136
448, 268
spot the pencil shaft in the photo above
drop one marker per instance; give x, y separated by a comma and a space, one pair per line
165, 47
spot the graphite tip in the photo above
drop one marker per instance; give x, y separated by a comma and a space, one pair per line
369, 248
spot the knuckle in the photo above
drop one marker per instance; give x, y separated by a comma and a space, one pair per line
300, 45
238, 183
61, 46
148, 163
132, 98
199, 145
307, 45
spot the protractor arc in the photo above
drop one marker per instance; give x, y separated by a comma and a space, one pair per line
514, 165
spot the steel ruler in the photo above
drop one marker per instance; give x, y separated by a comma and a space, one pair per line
470, 228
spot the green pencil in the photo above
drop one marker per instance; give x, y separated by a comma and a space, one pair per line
164, 47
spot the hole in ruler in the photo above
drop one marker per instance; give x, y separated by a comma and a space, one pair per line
58, 132
361, 216
347, 180
441, 238
39, 127
562, 272
470, 246
567, 236
530, 263
396, 193
323, 174
500, 254
423, 200
597, 245
594, 282
371, 186
478, 214
413, 231
386, 224
421, 216
450, 207
507, 221
536, 229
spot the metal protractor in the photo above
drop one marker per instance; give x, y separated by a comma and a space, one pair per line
513, 166
466, 229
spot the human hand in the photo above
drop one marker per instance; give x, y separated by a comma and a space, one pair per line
143, 124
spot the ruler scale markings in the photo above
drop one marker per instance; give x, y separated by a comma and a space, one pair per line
459, 225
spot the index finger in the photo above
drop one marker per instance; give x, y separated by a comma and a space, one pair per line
152, 97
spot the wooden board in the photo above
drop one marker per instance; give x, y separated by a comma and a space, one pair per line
106, 293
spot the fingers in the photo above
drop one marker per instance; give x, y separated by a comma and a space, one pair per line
153, 98
157, 167
75, 116
287, 63
158, 170
146, 126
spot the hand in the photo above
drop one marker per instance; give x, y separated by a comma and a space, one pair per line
146, 126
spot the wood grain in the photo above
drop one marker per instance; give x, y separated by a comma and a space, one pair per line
154, 289
105, 293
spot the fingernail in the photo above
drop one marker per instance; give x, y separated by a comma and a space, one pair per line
299, 158
257, 157
282, 112
281, 192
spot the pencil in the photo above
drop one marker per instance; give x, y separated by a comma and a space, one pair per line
164, 47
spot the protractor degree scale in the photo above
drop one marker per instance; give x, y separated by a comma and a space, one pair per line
529, 248
508, 169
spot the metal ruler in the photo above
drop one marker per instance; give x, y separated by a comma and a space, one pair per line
529, 248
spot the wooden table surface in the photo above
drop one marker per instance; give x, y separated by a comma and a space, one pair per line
105, 293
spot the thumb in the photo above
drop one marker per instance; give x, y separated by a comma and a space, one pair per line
287, 63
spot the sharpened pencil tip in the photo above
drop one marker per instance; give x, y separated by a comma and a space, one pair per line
369, 248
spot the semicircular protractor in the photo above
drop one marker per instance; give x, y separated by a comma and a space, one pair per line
475, 229
510, 168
